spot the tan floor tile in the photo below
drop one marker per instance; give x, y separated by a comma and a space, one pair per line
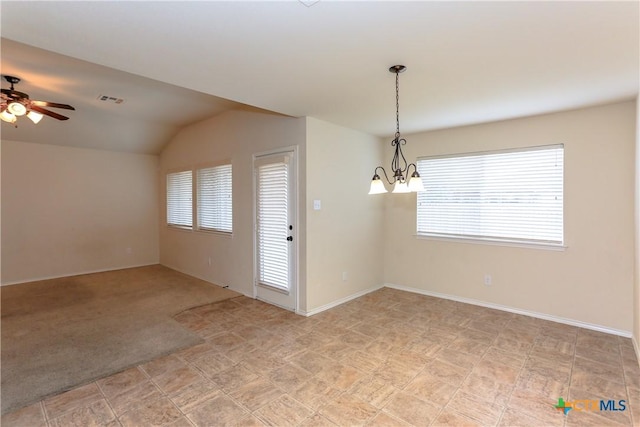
212, 363
174, 381
81, 396
591, 419
596, 385
554, 345
610, 372
514, 360
447, 372
541, 385
412, 410
634, 404
621, 417
194, 395
430, 388
498, 372
289, 377
469, 346
368, 329
116, 384
234, 377
154, 413
451, 418
385, 420
95, 414
220, 411
475, 408
163, 365
341, 376
191, 354
531, 405
225, 341
317, 420
284, 411
143, 392
373, 391
29, 416
397, 374
513, 417
379, 348
463, 360
362, 361
334, 350
486, 389
256, 394
512, 345
348, 410
315, 393
548, 368
313, 362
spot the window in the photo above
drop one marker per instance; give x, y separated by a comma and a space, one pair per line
509, 196
179, 199
214, 199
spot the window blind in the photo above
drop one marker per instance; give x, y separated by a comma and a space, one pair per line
272, 222
215, 198
179, 199
506, 196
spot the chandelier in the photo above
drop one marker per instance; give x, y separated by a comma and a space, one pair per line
399, 165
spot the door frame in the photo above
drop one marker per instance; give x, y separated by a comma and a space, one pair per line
293, 205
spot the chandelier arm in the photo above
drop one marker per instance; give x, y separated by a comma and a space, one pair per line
384, 172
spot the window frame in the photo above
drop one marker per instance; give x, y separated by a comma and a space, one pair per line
494, 240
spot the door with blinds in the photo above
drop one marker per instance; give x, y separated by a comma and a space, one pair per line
275, 239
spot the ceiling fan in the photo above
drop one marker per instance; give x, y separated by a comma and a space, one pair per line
14, 104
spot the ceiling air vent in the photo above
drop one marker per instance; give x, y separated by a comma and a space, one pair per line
111, 99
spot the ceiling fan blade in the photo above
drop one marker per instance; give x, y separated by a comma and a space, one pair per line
48, 113
52, 104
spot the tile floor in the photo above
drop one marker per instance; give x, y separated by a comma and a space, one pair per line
389, 358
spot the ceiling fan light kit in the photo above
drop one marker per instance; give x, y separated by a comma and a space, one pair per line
15, 104
401, 181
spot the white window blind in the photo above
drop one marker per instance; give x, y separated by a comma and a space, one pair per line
215, 199
513, 196
179, 199
272, 222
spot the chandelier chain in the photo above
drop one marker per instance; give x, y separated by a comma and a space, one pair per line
397, 104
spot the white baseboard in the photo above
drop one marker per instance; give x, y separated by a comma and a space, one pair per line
79, 273
572, 322
338, 302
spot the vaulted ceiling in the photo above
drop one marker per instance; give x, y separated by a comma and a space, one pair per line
179, 62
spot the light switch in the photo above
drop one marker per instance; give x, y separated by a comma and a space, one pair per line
317, 205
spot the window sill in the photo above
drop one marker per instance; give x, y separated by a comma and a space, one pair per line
203, 231
494, 242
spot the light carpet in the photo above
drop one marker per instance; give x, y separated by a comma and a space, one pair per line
61, 333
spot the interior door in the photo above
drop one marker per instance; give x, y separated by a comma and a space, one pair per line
275, 239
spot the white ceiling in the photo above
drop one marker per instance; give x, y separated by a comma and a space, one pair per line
468, 62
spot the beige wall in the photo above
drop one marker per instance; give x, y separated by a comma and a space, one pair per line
345, 235
67, 211
235, 136
636, 287
592, 280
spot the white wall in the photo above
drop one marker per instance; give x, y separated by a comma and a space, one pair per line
235, 136
67, 211
345, 235
592, 280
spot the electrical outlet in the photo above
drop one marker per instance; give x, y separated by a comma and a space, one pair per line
487, 279
209, 261
344, 276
